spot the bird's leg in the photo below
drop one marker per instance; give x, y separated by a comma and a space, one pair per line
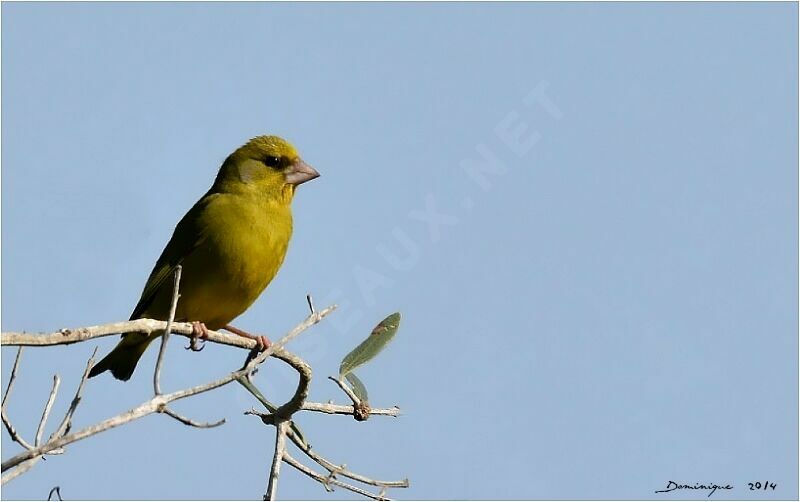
261, 341
199, 332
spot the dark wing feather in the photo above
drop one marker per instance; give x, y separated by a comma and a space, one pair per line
188, 235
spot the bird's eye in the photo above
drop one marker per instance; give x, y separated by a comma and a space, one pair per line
272, 161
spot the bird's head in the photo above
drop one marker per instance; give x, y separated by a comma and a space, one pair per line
267, 165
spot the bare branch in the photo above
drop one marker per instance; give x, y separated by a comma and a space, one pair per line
361, 409
22, 469
340, 469
326, 480
340, 409
147, 326
192, 423
66, 423
160, 360
12, 378
347, 390
158, 402
60, 431
300, 395
12, 431
280, 416
277, 460
57, 491
163, 348
47, 408
69, 336
142, 410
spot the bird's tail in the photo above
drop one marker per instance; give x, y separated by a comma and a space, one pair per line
122, 360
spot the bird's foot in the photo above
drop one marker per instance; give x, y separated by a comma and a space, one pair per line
199, 332
262, 342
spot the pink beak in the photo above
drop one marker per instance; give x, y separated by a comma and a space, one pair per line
299, 172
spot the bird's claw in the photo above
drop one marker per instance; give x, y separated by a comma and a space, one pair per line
195, 345
263, 343
199, 332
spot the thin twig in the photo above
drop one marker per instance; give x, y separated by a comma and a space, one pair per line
325, 480
66, 423
57, 491
340, 469
192, 423
12, 378
160, 360
277, 460
340, 409
47, 408
165, 336
347, 390
361, 409
148, 407
12, 431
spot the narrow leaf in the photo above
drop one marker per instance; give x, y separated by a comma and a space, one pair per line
371, 347
358, 387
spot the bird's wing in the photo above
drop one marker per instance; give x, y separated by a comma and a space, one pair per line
188, 235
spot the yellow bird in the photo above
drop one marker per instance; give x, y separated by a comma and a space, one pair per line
230, 245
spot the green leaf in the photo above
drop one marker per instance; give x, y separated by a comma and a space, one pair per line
371, 347
358, 387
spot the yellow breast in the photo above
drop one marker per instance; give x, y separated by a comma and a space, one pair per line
245, 245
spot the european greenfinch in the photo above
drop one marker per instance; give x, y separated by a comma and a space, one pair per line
230, 245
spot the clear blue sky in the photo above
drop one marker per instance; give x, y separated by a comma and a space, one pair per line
615, 306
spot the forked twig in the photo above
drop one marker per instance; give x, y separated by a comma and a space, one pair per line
326, 480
